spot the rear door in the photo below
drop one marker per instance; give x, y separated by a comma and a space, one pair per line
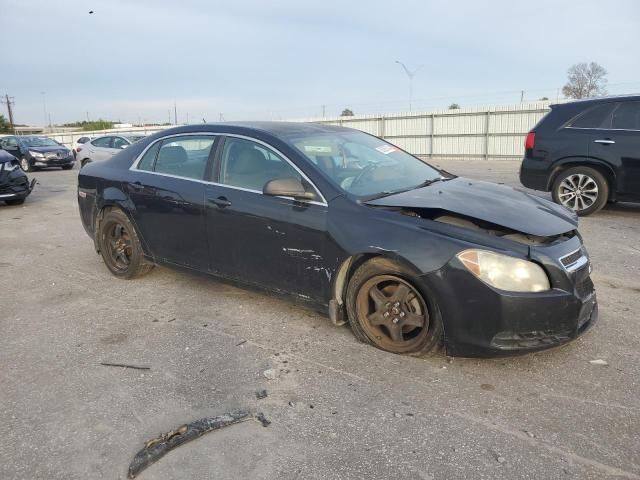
100, 149
167, 189
275, 242
619, 144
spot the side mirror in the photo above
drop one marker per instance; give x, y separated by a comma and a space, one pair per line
123, 146
287, 187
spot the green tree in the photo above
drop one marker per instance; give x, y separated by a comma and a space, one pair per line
92, 125
4, 125
347, 112
454, 106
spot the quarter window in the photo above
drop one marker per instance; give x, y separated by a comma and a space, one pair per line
102, 142
149, 158
247, 164
596, 117
184, 156
627, 116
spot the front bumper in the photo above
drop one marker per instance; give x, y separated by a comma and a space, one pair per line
480, 321
15, 187
53, 162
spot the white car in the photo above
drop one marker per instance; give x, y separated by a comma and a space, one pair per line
75, 148
103, 148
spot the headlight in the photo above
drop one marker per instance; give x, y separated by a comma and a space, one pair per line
504, 272
9, 166
36, 154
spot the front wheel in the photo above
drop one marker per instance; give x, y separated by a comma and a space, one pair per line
120, 246
387, 309
15, 201
25, 165
582, 189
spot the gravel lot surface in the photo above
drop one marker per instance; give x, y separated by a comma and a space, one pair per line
339, 409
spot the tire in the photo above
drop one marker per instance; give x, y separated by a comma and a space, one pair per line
67, 167
15, 201
581, 189
84, 161
25, 165
392, 322
120, 246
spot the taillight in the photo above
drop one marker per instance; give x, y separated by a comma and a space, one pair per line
530, 142
78, 149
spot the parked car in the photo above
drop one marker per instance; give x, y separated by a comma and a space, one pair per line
408, 255
78, 144
586, 153
37, 152
103, 148
14, 184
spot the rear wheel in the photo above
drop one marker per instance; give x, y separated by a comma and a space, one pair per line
120, 246
387, 309
582, 189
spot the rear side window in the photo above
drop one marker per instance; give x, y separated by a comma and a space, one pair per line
184, 156
149, 158
595, 117
102, 142
627, 116
119, 142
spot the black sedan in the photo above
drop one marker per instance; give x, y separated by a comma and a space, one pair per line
410, 256
14, 184
35, 152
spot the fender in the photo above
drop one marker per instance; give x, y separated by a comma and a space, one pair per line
567, 162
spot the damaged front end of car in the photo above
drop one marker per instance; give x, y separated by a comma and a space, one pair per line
517, 284
14, 183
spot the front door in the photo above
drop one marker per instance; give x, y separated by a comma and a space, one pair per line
620, 146
275, 242
167, 191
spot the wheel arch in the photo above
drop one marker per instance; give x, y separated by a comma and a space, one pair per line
113, 198
602, 167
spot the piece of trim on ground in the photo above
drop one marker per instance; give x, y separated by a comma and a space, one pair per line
158, 447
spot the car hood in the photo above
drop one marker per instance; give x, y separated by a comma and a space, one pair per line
48, 149
489, 202
6, 156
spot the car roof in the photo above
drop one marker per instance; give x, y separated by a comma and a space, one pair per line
607, 99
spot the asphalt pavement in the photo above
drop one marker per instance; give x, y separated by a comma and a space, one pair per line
339, 409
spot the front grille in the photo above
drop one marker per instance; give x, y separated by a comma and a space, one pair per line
540, 338
571, 258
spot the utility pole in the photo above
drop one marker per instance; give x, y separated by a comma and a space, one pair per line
169, 116
410, 75
44, 106
323, 110
87, 116
221, 117
175, 113
8, 101
521, 96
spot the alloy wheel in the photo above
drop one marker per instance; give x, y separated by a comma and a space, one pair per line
118, 245
24, 164
393, 313
578, 191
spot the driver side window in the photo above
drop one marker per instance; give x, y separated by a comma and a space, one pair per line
249, 165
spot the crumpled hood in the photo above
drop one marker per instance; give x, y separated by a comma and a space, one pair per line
497, 204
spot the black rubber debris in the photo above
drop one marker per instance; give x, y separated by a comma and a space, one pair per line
260, 394
261, 418
158, 447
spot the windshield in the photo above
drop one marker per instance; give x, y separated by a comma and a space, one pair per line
39, 142
364, 165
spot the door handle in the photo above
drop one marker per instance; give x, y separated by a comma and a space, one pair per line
605, 141
221, 202
136, 185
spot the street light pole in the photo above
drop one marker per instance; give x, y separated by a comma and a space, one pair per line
44, 107
410, 75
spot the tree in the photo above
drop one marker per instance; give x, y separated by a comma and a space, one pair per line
346, 113
92, 125
543, 99
4, 125
454, 106
585, 80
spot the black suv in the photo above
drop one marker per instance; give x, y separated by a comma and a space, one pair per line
586, 153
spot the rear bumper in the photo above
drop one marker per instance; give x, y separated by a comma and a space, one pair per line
480, 321
535, 174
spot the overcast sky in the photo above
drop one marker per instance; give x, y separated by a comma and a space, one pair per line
130, 60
